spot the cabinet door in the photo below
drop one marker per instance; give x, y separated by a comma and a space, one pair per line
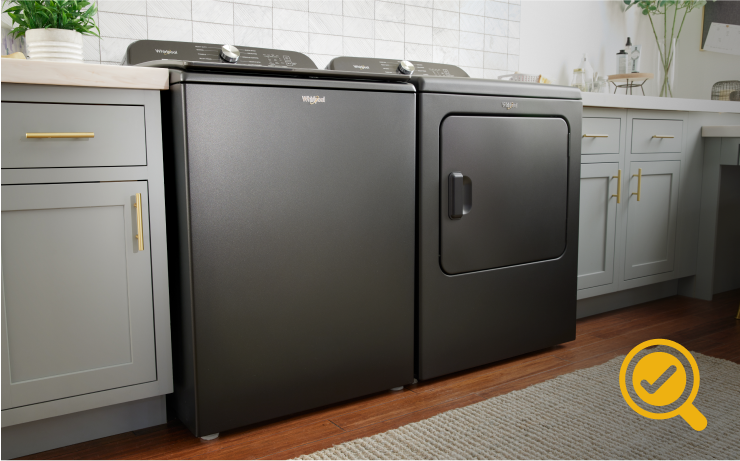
77, 291
651, 221
597, 225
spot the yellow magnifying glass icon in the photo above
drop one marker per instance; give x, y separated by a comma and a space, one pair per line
660, 379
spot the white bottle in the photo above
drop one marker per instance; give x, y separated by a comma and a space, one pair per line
622, 62
588, 70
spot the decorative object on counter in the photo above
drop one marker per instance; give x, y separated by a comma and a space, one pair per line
634, 59
53, 29
11, 44
579, 79
601, 85
16, 55
622, 62
721, 28
666, 47
627, 81
528, 78
723, 91
589, 71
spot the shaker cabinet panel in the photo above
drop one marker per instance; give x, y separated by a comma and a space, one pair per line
651, 220
597, 224
77, 291
600, 135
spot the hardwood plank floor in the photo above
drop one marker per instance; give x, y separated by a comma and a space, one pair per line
706, 327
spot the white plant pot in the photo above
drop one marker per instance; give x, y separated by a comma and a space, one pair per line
54, 45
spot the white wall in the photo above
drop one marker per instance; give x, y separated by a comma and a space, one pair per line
555, 34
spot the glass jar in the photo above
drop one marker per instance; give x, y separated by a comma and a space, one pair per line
579, 79
601, 85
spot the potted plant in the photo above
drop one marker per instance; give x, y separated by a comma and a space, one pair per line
666, 48
53, 29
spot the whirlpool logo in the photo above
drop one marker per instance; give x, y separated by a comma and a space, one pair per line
166, 51
313, 99
508, 105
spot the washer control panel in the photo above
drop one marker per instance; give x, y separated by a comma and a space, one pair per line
395, 66
158, 50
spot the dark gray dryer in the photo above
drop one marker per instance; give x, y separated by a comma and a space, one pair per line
498, 166
291, 216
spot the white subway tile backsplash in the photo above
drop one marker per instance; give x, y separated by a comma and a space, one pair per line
472, 23
359, 8
122, 26
446, 37
446, 19
475, 7
358, 47
327, 44
387, 11
290, 20
173, 9
290, 40
170, 29
445, 55
494, 74
136, 7
418, 34
252, 16
419, 52
325, 6
481, 36
447, 5
418, 15
213, 11
208, 32
358, 27
320, 23
386, 30
389, 50
472, 41
253, 36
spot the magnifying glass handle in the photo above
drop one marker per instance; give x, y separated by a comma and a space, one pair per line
694, 417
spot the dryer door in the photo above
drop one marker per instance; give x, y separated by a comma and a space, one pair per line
504, 191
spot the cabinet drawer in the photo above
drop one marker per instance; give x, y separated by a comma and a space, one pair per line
119, 135
600, 135
656, 136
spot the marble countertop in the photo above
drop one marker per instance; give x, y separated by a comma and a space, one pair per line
654, 103
80, 74
727, 131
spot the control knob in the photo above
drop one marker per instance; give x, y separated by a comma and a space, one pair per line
229, 53
406, 67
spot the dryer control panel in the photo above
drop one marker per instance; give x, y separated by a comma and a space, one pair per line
394, 66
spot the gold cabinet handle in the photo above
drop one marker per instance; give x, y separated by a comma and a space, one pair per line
618, 195
59, 135
595, 135
639, 184
139, 222
663, 136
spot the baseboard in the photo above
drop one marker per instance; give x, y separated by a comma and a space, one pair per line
60, 431
620, 299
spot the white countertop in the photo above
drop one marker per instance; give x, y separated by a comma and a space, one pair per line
727, 131
74, 74
623, 101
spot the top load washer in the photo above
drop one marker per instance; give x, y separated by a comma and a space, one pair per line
290, 202
498, 167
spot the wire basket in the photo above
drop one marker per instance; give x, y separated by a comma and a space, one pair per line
517, 77
726, 91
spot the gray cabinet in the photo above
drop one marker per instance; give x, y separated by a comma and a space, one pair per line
597, 224
77, 304
651, 219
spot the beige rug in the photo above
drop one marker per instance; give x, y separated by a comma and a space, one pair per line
580, 415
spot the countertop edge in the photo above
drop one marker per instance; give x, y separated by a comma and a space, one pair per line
83, 74
621, 101
727, 131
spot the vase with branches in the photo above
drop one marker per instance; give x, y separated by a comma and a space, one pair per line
667, 51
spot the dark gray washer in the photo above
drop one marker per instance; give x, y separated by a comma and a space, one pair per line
296, 246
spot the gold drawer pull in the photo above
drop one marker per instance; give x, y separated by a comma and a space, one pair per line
59, 135
595, 135
663, 136
139, 222
639, 184
618, 177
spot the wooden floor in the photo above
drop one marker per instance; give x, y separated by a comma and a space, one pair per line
701, 326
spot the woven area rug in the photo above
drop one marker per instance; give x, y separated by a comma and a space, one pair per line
580, 415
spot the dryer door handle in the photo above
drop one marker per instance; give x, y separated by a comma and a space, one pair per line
460, 195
